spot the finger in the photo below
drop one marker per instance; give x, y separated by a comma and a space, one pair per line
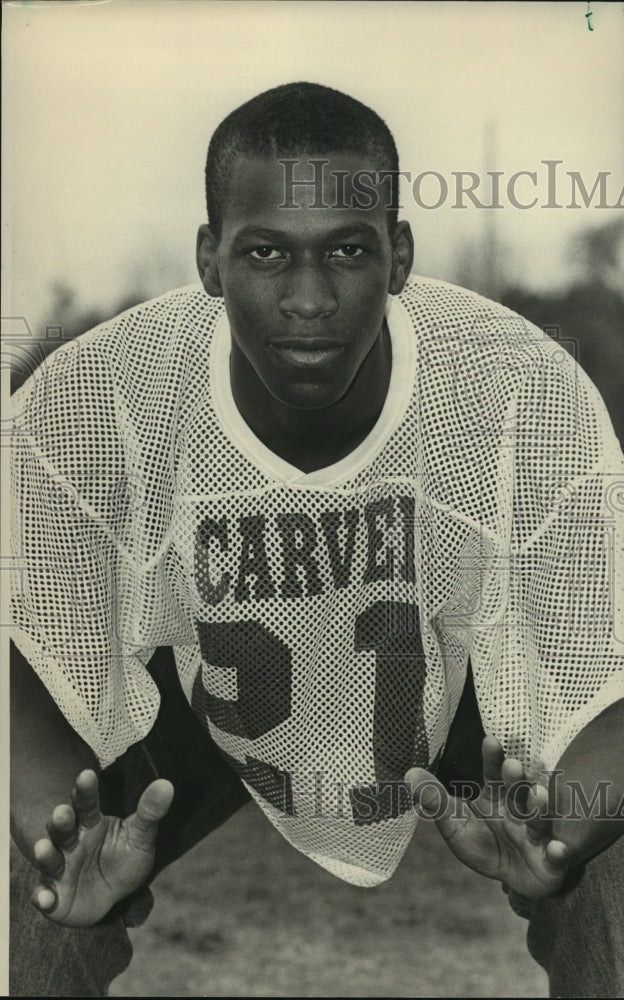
517, 789
493, 756
432, 801
426, 791
153, 806
86, 799
43, 899
557, 857
512, 771
49, 861
62, 827
538, 822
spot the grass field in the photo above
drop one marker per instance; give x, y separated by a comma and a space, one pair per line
244, 914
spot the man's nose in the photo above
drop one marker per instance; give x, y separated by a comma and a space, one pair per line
308, 293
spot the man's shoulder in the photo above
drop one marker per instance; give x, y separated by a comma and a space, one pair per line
148, 356
182, 311
487, 378
462, 327
173, 330
446, 301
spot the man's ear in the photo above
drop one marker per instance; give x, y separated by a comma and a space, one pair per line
402, 257
206, 256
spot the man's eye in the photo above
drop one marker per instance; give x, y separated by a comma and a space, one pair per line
266, 253
348, 251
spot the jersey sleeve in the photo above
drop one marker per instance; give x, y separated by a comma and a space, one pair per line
70, 497
550, 657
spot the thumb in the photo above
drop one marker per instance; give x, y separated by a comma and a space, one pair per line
153, 806
431, 799
557, 858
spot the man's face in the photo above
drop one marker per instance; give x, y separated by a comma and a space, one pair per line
305, 288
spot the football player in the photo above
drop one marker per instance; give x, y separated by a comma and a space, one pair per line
330, 488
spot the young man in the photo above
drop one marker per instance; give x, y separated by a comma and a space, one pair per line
327, 488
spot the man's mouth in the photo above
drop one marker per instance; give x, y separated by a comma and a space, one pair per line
306, 352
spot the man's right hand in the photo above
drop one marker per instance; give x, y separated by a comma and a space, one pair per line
489, 834
90, 861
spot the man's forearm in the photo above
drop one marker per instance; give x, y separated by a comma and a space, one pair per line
46, 755
587, 797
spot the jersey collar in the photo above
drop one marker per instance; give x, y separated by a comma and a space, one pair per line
397, 399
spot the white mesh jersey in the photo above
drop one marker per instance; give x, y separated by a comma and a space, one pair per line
322, 623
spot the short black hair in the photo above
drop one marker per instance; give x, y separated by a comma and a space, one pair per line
292, 119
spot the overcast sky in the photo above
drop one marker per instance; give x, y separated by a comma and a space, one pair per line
108, 108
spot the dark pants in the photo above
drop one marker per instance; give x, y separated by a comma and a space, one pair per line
577, 935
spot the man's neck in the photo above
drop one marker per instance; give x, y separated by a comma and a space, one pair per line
312, 439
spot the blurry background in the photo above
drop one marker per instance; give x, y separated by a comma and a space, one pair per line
108, 109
